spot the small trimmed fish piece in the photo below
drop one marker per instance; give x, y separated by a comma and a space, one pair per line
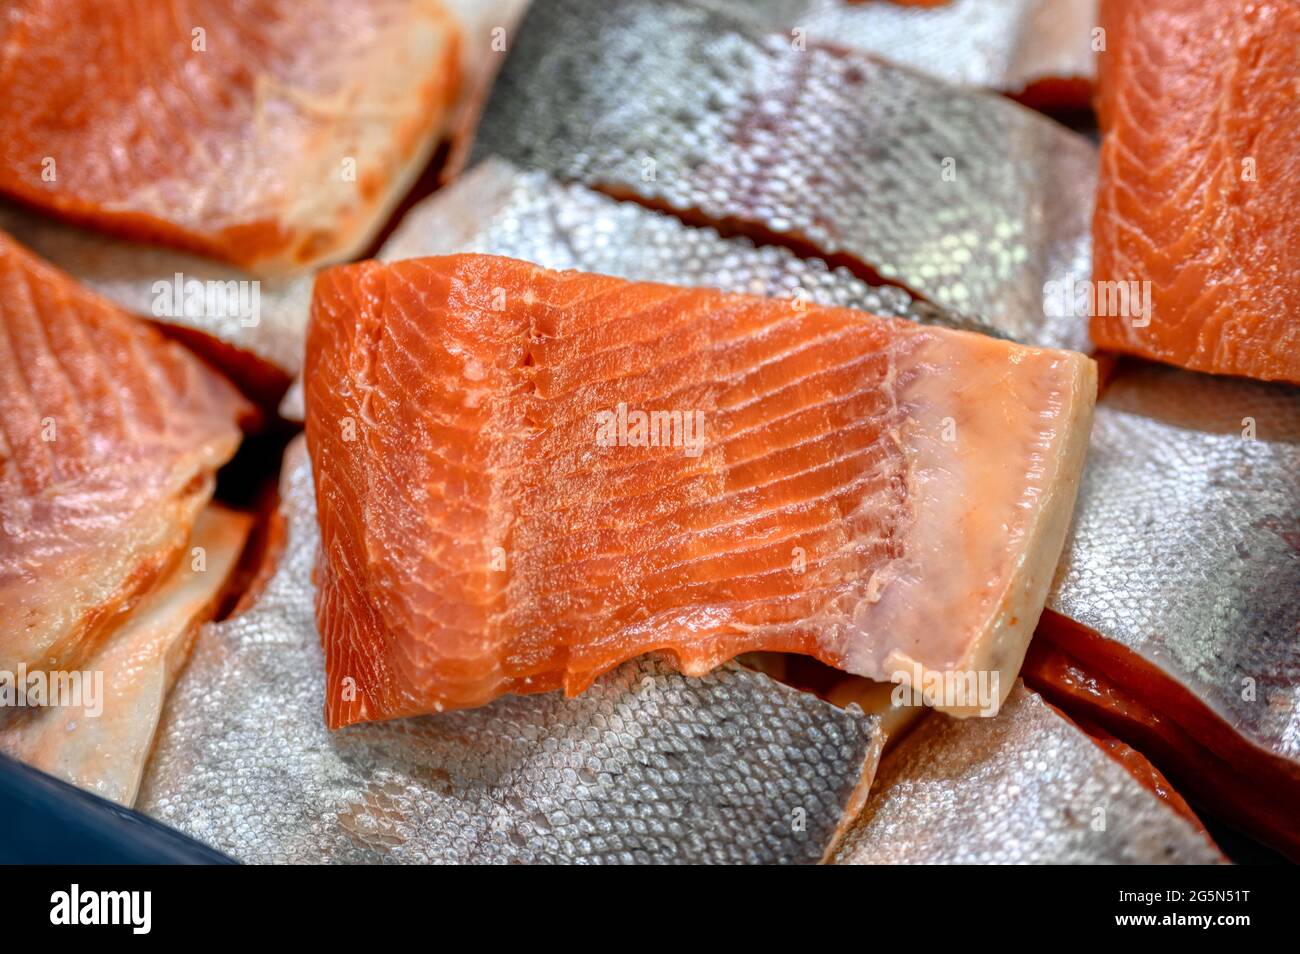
270, 134
102, 743
110, 437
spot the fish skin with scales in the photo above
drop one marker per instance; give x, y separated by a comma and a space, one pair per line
1006, 45
962, 196
1024, 787
496, 208
1186, 541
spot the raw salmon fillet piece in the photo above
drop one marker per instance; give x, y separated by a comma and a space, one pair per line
103, 743
878, 494
109, 439
1200, 112
269, 133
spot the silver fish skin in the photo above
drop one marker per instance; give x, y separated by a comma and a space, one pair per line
127, 272
647, 766
1006, 45
963, 197
1186, 542
1024, 787
498, 209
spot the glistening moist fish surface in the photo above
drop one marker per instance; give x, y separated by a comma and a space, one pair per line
1025, 787
964, 197
1186, 541
286, 146
1007, 45
646, 766
496, 208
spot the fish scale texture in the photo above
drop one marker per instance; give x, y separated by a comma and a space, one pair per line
1002, 44
498, 209
965, 198
1024, 787
1186, 544
647, 766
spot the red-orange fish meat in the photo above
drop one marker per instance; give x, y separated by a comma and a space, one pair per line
1197, 229
525, 477
269, 133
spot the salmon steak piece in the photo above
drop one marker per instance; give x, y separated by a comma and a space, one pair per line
272, 134
526, 477
1196, 208
110, 436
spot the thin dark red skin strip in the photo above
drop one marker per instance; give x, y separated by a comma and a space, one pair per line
1140, 767
1067, 98
260, 381
1109, 685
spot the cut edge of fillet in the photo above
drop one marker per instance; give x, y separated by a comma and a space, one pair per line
958, 555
